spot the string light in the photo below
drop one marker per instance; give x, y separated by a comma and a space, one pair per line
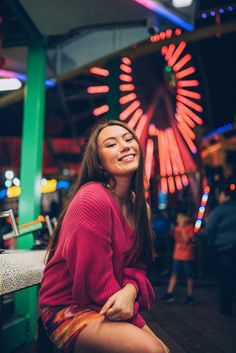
202, 209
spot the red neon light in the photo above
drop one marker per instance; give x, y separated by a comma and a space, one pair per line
171, 185
188, 83
186, 72
126, 60
164, 50
232, 187
152, 130
161, 154
190, 113
126, 68
128, 98
184, 180
162, 35
164, 187
187, 129
178, 31
135, 118
126, 78
178, 182
149, 158
127, 87
177, 152
129, 110
99, 71
172, 152
168, 33
186, 93
101, 110
98, 89
141, 125
155, 38
167, 154
182, 62
186, 119
188, 140
170, 51
188, 102
177, 53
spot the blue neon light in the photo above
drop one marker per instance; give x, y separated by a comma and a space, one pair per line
158, 8
219, 130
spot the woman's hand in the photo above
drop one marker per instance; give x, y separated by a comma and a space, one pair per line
120, 306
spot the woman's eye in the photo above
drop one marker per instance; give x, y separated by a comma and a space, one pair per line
129, 139
111, 145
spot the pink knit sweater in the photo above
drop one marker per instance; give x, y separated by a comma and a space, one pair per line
93, 256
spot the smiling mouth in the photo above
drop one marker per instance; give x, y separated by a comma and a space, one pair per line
128, 157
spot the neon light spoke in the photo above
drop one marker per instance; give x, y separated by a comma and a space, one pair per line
135, 118
186, 118
129, 110
164, 50
141, 125
177, 53
171, 184
161, 154
128, 98
149, 158
182, 62
152, 130
176, 147
188, 102
97, 89
99, 71
190, 113
172, 153
186, 93
126, 60
188, 83
164, 187
101, 110
170, 51
186, 128
127, 87
178, 182
126, 78
184, 180
126, 68
186, 72
188, 140
167, 159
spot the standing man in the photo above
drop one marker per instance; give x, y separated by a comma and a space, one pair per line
221, 231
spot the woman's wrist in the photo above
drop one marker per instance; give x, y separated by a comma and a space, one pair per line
132, 289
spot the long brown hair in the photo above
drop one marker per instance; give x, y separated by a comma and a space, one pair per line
91, 171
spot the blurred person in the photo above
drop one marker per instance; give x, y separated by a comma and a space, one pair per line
183, 257
221, 232
95, 283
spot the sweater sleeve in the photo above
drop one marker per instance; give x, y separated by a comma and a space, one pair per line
88, 252
137, 276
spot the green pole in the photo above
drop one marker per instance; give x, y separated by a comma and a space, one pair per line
31, 167
114, 95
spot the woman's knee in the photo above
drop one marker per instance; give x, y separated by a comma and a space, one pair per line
156, 346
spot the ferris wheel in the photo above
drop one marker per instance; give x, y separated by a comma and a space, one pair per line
163, 110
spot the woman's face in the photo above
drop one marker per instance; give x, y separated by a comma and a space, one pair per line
118, 151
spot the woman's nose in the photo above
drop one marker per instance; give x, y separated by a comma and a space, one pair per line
125, 146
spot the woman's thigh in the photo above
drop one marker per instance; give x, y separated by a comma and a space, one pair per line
104, 336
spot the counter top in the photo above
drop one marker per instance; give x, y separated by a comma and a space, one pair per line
20, 269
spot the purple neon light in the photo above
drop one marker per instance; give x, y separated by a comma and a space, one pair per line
155, 6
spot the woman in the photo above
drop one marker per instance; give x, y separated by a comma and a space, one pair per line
94, 283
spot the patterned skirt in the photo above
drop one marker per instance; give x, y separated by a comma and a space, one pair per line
63, 324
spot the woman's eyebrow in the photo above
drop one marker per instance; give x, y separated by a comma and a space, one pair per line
114, 138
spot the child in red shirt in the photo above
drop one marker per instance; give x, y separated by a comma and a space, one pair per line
183, 257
